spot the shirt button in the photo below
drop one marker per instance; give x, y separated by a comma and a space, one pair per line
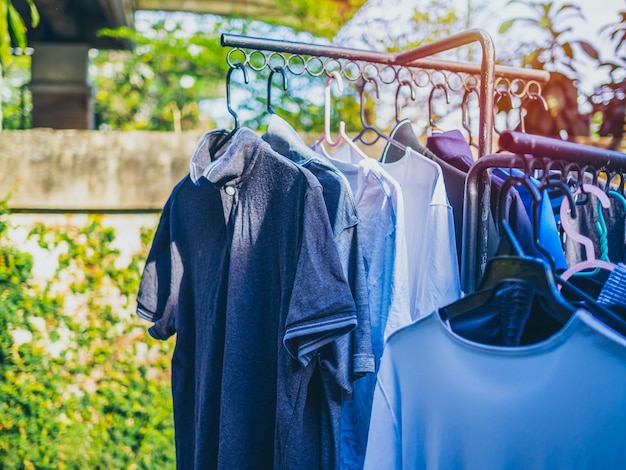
230, 190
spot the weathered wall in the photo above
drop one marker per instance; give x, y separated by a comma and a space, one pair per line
60, 170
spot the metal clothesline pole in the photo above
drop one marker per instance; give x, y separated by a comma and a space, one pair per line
503, 71
316, 50
556, 149
487, 75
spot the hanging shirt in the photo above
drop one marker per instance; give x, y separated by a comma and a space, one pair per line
549, 236
430, 237
614, 290
347, 231
452, 147
380, 205
453, 178
560, 403
244, 269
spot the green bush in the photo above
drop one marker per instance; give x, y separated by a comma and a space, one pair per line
82, 385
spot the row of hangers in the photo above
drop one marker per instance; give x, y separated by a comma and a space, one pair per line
510, 262
366, 127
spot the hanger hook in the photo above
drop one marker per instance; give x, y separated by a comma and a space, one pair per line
365, 125
514, 180
400, 85
269, 86
566, 207
430, 103
464, 114
549, 184
529, 97
337, 77
236, 65
496, 99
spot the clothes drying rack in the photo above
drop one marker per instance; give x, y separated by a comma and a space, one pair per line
417, 65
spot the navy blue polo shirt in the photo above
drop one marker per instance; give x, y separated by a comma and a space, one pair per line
244, 269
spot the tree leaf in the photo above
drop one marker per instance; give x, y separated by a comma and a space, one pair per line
34, 14
570, 6
5, 37
567, 48
504, 27
589, 50
17, 26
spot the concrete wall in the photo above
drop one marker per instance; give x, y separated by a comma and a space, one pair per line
77, 170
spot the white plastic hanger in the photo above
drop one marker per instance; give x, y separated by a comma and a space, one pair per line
591, 262
342, 136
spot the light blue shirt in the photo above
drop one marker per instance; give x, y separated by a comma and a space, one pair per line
381, 212
560, 403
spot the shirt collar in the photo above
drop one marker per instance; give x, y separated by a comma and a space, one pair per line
286, 141
229, 164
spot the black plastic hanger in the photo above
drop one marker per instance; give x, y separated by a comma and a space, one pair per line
220, 143
496, 99
281, 70
516, 268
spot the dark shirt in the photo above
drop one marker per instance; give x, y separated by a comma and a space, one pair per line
244, 269
356, 350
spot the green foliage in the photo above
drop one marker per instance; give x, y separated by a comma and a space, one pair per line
13, 28
158, 85
81, 383
322, 17
16, 100
553, 52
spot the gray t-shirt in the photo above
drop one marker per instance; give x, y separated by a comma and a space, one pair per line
244, 269
354, 350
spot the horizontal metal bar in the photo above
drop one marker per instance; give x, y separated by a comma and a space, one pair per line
317, 50
504, 71
233, 40
540, 146
451, 42
487, 75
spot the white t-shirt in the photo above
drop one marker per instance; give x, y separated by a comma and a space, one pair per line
380, 205
560, 403
429, 227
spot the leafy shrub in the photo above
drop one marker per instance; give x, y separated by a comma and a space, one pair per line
82, 385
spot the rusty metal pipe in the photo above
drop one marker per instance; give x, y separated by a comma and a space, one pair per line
487, 75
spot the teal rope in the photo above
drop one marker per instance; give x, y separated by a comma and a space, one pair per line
602, 231
600, 225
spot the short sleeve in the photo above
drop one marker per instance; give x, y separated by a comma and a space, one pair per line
156, 298
321, 307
